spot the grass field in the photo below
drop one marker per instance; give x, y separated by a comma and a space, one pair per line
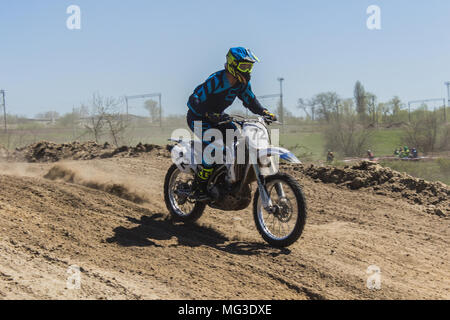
437, 170
306, 142
312, 144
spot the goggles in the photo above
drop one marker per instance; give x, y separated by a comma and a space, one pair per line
245, 67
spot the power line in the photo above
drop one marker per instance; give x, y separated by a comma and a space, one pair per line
267, 96
280, 95
276, 95
143, 96
422, 102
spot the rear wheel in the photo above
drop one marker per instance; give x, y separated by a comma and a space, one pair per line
177, 187
283, 227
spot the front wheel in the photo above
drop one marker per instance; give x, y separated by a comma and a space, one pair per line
177, 187
285, 225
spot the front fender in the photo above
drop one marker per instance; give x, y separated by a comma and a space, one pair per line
283, 153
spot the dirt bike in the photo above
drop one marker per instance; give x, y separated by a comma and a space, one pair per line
279, 206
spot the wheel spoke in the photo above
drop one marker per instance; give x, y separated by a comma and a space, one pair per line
280, 225
177, 180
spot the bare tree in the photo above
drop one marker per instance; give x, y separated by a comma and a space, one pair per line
307, 108
347, 137
105, 116
422, 133
326, 104
95, 121
323, 106
344, 134
117, 125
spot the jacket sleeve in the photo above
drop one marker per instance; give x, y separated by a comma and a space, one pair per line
250, 101
200, 95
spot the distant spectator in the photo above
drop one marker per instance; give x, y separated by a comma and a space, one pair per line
330, 156
405, 153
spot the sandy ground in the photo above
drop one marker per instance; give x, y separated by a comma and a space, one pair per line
127, 250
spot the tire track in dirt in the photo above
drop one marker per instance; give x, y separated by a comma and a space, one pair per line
133, 251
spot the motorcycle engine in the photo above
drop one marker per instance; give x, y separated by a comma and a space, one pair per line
231, 201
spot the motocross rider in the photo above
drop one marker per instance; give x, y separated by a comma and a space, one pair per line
210, 99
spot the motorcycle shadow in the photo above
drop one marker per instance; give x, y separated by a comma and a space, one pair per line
151, 230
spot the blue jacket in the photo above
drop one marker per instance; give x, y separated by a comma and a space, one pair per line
216, 94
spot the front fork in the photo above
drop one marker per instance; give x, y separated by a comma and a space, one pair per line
265, 198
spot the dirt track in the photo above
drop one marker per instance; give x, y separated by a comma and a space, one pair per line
132, 251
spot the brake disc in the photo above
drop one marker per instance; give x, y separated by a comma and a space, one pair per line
284, 212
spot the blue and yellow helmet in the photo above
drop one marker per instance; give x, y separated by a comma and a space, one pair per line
240, 63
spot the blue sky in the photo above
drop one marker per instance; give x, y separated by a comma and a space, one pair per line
145, 46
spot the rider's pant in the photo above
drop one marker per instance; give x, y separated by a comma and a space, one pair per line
206, 125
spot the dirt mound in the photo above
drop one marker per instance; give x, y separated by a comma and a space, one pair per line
45, 151
59, 172
383, 181
3, 153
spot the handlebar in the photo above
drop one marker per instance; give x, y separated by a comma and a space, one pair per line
267, 120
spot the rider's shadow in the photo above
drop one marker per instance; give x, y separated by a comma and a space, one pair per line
158, 228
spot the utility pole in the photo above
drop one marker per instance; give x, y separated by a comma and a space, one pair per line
160, 111
337, 109
281, 102
424, 102
2, 92
126, 102
448, 97
409, 112
374, 111
73, 123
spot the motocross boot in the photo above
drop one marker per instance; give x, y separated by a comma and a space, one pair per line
200, 183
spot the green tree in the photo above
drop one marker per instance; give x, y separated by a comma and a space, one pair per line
395, 104
360, 99
371, 101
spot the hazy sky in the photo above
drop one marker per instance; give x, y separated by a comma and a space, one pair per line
144, 46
